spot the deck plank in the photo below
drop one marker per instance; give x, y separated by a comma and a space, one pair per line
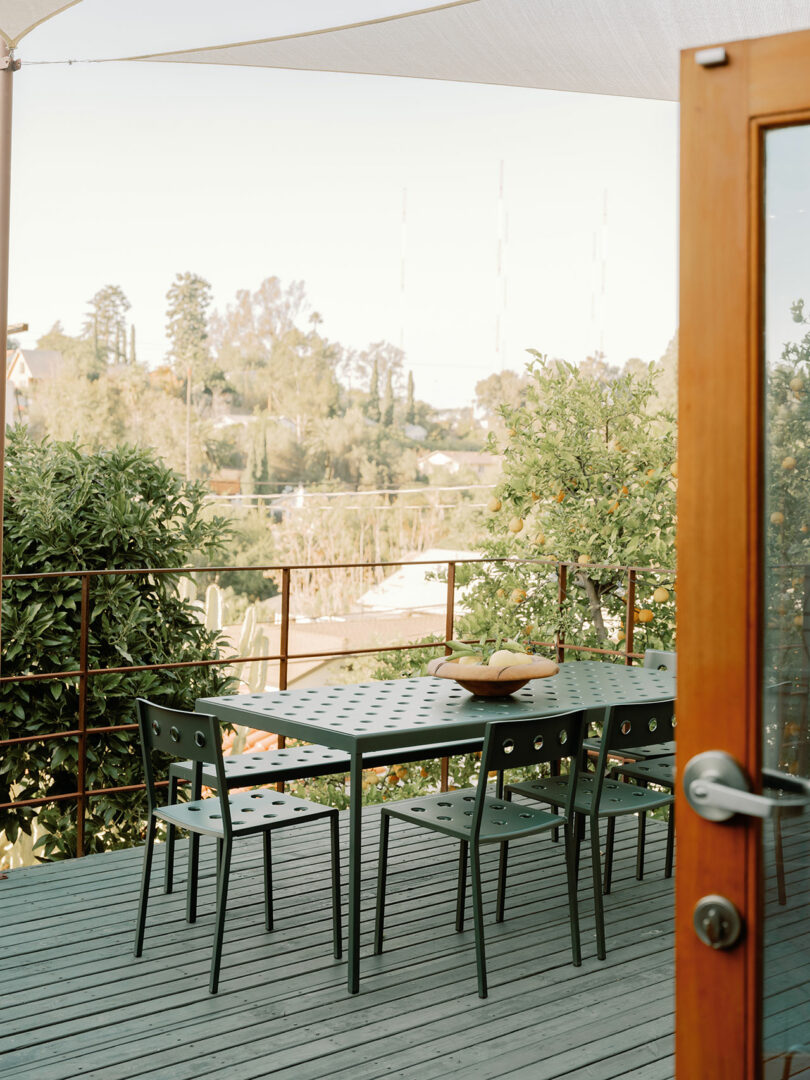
76, 1003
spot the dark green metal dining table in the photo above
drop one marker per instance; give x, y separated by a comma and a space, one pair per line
403, 713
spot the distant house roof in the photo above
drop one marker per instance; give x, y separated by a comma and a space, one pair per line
409, 589
453, 460
226, 482
25, 364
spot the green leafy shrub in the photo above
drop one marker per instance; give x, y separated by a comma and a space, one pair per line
66, 509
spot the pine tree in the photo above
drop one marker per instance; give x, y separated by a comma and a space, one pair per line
132, 355
187, 325
105, 323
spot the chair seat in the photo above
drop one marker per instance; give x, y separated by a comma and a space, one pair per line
251, 811
617, 798
638, 753
452, 814
304, 762
659, 771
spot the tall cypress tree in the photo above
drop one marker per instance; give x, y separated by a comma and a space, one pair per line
388, 402
373, 406
410, 406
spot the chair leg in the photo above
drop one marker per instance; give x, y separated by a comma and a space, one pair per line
151, 828
554, 770
573, 906
502, 866
598, 906
478, 920
780, 861
501, 900
171, 833
193, 872
579, 835
499, 785
611, 836
668, 859
222, 900
642, 835
336, 914
268, 879
382, 868
461, 888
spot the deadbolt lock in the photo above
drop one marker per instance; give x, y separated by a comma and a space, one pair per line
717, 922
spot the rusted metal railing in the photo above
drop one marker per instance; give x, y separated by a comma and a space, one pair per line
84, 672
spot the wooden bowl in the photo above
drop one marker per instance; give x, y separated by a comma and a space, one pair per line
485, 681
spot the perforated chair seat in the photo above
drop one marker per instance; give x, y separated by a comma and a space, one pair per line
637, 753
659, 771
305, 762
617, 798
452, 815
251, 811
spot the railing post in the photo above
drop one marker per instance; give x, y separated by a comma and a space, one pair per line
284, 643
629, 623
562, 587
450, 612
450, 616
283, 648
81, 767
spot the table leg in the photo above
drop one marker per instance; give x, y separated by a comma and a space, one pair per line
355, 860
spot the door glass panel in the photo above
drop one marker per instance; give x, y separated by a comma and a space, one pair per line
786, 577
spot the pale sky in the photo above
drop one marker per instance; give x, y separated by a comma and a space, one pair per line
129, 173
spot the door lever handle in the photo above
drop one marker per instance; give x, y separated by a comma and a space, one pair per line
717, 788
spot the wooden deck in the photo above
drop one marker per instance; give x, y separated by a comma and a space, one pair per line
76, 1003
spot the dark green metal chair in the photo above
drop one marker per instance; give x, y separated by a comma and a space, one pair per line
291, 763
597, 795
656, 660
479, 819
197, 737
654, 770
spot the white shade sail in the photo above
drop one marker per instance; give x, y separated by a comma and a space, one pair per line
619, 47
18, 17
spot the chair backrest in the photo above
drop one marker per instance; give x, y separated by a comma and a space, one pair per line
638, 725
181, 734
627, 726
659, 660
515, 744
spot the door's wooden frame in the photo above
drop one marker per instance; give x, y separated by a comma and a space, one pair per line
724, 113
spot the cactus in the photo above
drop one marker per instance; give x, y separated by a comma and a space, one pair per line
187, 590
251, 673
213, 608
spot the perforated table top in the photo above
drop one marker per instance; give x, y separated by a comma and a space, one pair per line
409, 712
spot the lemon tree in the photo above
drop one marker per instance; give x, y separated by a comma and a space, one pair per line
589, 478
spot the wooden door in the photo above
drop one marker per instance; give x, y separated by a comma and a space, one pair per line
743, 543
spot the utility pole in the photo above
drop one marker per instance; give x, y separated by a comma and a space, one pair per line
8, 65
188, 421
500, 276
403, 240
